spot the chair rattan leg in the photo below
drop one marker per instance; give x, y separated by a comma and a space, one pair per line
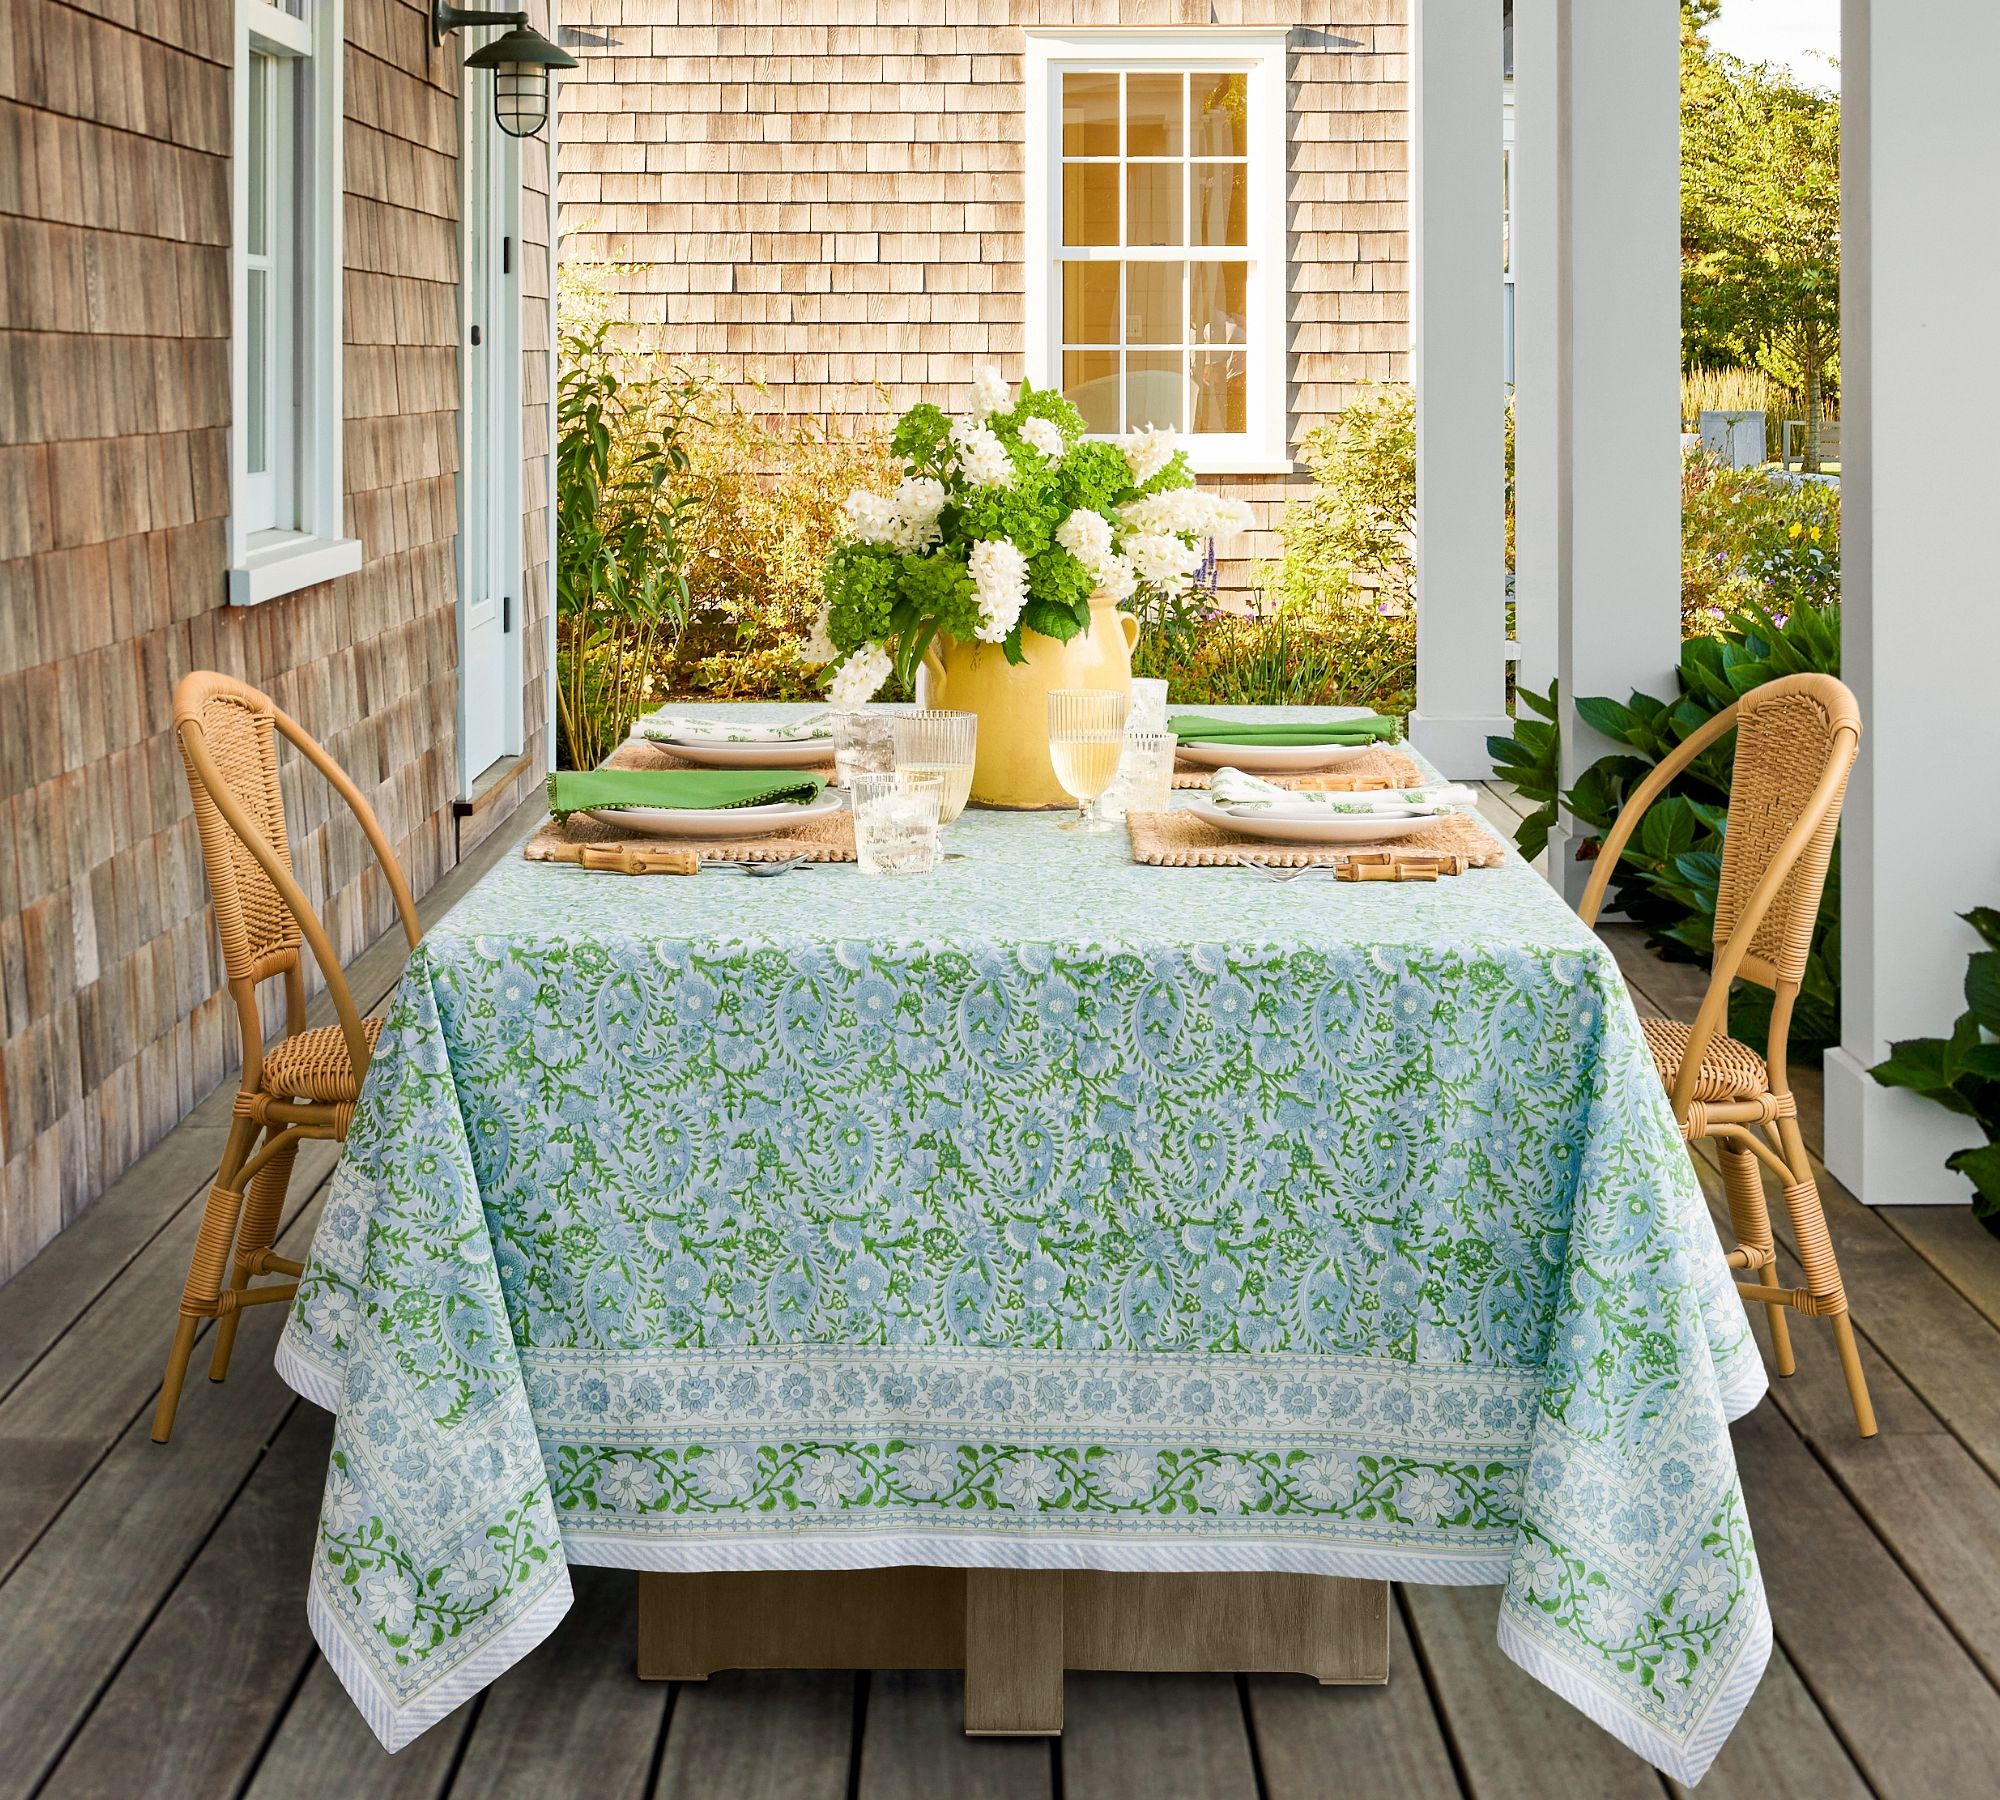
203, 1287
1743, 1182
261, 1208
1822, 1271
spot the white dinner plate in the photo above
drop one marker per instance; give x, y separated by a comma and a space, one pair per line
1334, 828
1264, 758
717, 821
806, 753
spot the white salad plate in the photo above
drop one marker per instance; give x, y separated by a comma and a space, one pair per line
803, 753
1294, 828
718, 821
1264, 758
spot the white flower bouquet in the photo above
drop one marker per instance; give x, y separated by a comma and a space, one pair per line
1006, 521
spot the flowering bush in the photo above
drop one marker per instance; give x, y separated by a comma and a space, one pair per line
1750, 540
1004, 522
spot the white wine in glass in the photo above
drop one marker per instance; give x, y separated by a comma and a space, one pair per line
1086, 740
935, 741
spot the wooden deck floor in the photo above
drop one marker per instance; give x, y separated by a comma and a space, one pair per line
153, 1637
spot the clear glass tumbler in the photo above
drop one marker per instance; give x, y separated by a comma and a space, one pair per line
1086, 739
1146, 775
863, 744
933, 741
896, 822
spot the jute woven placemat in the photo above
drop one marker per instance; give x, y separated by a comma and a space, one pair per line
1381, 767
829, 838
1179, 840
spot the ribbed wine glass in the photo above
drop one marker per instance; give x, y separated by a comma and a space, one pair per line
1086, 739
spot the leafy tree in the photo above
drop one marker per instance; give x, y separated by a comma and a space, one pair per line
1760, 220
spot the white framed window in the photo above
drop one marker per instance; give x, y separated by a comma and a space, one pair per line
286, 194
1155, 234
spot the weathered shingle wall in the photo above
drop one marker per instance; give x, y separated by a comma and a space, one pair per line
825, 196
114, 407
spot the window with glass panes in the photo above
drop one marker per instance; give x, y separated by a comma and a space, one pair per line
1154, 248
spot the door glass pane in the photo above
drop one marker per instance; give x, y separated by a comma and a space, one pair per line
1153, 390
1221, 390
1090, 384
1221, 203
1090, 303
1154, 211
1154, 105
1153, 302
1221, 115
1090, 203
1090, 115
1216, 302
257, 152
257, 403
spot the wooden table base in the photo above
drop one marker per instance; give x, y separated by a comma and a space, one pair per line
1013, 1631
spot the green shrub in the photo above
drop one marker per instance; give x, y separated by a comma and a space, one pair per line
621, 589
1962, 1072
1332, 654
1358, 526
764, 512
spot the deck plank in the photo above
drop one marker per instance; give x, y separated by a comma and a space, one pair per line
760, 1737
1955, 1244
1910, 1704
1383, 1740
571, 1716
1166, 1737
915, 1747
188, 1711
1782, 1748
75, 1604
80, 1398
323, 1750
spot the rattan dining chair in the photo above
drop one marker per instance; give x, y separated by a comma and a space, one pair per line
306, 1085
1796, 740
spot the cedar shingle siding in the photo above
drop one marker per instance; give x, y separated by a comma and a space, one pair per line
114, 408
826, 195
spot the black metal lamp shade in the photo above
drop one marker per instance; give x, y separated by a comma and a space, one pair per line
520, 60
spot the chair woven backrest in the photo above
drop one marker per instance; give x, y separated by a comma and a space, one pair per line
238, 726
1787, 738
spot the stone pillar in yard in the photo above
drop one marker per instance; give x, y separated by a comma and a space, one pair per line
1458, 335
1618, 346
1920, 384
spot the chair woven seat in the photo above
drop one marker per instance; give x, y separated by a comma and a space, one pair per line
1729, 1071
315, 1065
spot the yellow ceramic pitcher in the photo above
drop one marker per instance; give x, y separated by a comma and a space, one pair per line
1011, 763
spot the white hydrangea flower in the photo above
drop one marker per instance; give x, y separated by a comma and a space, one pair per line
819, 647
1162, 560
990, 393
1118, 578
1147, 453
1000, 579
859, 678
1086, 535
982, 458
1043, 435
905, 521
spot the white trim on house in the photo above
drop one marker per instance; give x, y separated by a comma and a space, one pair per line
1259, 52
286, 519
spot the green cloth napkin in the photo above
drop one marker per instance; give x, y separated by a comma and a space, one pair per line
597, 790
1190, 728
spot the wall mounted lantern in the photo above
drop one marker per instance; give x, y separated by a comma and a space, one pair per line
520, 60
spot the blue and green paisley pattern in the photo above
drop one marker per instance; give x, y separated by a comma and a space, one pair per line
1049, 1210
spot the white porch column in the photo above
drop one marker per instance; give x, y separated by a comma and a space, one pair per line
1457, 328
1921, 599
1534, 208
1618, 342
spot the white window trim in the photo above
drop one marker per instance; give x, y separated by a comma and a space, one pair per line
264, 564
1265, 448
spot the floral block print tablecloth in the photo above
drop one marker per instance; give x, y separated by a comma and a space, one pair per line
1048, 1211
